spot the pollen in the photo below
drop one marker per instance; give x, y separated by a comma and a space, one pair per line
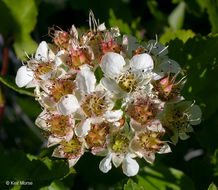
97, 135
176, 120
127, 83
142, 111
119, 143
94, 105
73, 148
149, 141
43, 68
59, 125
61, 88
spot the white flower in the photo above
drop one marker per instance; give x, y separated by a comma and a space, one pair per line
119, 153
91, 104
122, 78
46, 63
60, 127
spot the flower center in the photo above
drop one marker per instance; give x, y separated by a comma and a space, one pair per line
73, 148
61, 88
61, 39
94, 105
78, 58
142, 111
175, 120
149, 141
97, 135
127, 83
43, 68
59, 125
120, 143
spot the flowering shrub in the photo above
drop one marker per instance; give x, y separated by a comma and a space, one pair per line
108, 94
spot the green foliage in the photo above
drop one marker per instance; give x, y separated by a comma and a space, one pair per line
40, 171
183, 35
124, 27
184, 24
212, 10
22, 18
9, 81
55, 185
212, 187
198, 56
176, 18
131, 185
98, 74
159, 177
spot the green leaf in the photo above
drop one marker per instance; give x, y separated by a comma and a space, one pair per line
176, 18
22, 16
98, 74
183, 35
113, 21
56, 185
155, 10
212, 10
162, 178
198, 56
9, 81
214, 162
131, 185
212, 187
17, 166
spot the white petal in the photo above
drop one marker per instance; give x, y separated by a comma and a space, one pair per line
58, 58
58, 153
53, 141
86, 80
183, 136
130, 166
117, 159
112, 64
129, 44
157, 76
73, 161
165, 149
41, 120
114, 115
111, 85
101, 27
156, 126
169, 65
83, 128
42, 52
150, 158
105, 165
68, 104
142, 63
24, 76
46, 76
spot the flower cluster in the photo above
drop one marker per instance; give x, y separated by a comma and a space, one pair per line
109, 95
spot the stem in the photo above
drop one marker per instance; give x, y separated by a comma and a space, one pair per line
5, 61
3, 72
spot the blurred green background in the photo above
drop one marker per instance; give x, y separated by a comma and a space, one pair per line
190, 29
